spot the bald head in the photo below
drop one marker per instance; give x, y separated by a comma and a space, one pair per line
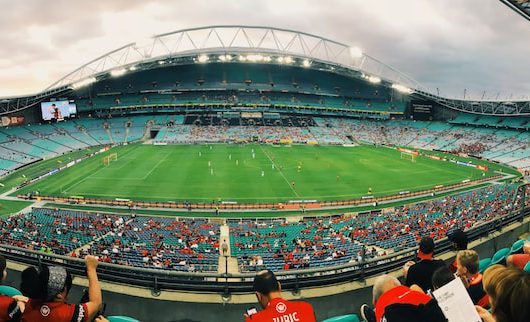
383, 284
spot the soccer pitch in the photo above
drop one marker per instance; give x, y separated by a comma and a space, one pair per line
250, 173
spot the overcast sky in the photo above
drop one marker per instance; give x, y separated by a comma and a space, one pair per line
452, 45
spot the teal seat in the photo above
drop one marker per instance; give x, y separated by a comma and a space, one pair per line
484, 264
9, 291
121, 319
527, 267
343, 318
500, 256
517, 247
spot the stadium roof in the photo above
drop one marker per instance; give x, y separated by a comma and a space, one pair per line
522, 7
236, 39
257, 44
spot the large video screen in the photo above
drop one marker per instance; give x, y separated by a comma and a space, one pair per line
58, 110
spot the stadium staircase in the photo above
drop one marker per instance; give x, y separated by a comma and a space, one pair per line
107, 130
227, 263
126, 135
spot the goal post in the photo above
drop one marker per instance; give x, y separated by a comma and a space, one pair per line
109, 158
409, 156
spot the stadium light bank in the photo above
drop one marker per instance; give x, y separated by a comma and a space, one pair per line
118, 72
402, 89
83, 83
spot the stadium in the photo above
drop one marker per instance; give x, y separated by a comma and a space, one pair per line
191, 160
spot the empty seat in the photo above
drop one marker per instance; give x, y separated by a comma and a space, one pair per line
121, 319
343, 318
517, 247
500, 256
9, 291
484, 264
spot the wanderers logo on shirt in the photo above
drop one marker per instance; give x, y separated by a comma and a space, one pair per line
45, 310
281, 307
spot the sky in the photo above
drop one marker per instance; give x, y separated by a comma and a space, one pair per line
475, 46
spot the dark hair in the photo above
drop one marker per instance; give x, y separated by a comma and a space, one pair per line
265, 282
427, 245
34, 283
3, 263
442, 276
459, 238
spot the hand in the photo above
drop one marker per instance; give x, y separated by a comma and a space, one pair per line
91, 262
406, 267
20, 298
484, 314
101, 318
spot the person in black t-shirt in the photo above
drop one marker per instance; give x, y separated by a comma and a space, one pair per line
420, 273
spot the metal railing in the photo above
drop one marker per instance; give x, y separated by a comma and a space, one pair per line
294, 280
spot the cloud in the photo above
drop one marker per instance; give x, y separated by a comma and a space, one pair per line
478, 45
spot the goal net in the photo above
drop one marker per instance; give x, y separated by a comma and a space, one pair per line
409, 156
109, 158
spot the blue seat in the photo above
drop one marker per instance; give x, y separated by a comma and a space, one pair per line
484, 264
527, 267
517, 247
343, 318
9, 291
121, 319
500, 256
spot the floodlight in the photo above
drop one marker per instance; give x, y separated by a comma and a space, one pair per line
279, 59
402, 89
161, 62
203, 58
242, 58
225, 57
133, 68
306, 63
288, 60
84, 82
118, 72
267, 58
356, 52
254, 58
373, 79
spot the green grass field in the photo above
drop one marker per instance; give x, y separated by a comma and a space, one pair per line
230, 172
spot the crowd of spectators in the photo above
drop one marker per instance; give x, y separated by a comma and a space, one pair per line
315, 242
501, 294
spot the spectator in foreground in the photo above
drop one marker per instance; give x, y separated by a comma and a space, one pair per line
395, 303
509, 292
275, 308
442, 276
467, 262
11, 308
520, 260
459, 241
48, 290
421, 273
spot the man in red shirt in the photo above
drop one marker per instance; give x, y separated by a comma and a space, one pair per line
275, 308
395, 302
48, 289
